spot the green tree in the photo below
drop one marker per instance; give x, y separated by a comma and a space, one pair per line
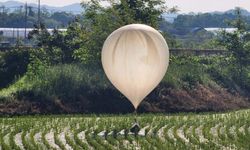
84, 38
58, 45
12, 65
238, 44
100, 21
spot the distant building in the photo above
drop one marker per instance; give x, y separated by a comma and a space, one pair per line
5, 44
20, 32
216, 30
212, 30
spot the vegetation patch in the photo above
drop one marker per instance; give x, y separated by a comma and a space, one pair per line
189, 85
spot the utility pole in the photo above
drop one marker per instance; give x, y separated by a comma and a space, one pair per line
39, 13
26, 15
3, 15
2, 7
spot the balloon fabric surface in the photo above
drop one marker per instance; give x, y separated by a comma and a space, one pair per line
135, 58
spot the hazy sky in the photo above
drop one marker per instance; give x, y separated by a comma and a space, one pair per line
184, 5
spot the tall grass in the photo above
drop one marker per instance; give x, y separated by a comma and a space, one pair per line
69, 80
186, 72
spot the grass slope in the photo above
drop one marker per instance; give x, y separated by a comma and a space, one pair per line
190, 84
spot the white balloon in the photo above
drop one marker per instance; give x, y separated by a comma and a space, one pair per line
135, 58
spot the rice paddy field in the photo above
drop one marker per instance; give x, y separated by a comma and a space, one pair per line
222, 131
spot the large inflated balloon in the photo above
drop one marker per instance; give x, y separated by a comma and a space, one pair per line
135, 58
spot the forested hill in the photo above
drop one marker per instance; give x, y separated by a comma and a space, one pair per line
17, 19
206, 20
13, 15
185, 22
13, 5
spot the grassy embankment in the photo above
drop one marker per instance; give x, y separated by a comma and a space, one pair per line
204, 83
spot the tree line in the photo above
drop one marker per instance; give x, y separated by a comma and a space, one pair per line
184, 23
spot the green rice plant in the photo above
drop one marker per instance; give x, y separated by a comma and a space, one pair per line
3, 144
94, 143
12, 141
58, 142
46, 143
82, 144
159, 128
71, 142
